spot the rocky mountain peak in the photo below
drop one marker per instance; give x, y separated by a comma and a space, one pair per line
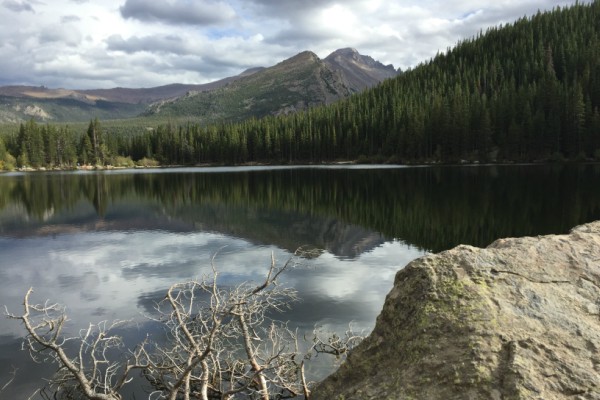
345, 52
351, 54
360, 71
305, 56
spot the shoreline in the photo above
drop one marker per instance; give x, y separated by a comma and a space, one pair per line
462, 163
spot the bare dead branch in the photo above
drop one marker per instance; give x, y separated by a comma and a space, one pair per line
222, 344
90, 370
13, 375
333, 344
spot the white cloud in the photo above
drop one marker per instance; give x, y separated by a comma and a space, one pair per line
134, 43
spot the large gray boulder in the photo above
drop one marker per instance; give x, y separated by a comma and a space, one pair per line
519, 319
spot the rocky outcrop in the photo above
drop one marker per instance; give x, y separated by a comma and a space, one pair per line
358, 71
519, 319
37, 112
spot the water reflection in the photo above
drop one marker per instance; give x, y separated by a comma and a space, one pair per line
346, 211
109, 244
107, 274
121, 275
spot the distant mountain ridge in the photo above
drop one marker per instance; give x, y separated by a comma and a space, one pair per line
118, 94
297, 83
18, 103
150, 95
294, 84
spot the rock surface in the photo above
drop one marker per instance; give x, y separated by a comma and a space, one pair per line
519, 319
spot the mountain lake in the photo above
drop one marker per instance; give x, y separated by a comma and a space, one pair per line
108, 244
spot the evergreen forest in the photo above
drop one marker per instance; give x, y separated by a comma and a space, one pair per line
525, 91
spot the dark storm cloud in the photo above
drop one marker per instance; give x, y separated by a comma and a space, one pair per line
171, 44
178, 12
18, 6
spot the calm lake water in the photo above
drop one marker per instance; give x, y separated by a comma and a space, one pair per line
108, 244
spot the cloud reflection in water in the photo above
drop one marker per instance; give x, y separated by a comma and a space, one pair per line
120, 275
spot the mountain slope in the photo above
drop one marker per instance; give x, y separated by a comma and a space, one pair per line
18, 103
297, 83
18, 109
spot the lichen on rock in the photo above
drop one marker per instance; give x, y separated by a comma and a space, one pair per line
519, 319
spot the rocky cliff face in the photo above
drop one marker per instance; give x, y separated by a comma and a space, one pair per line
358, 71
519, 319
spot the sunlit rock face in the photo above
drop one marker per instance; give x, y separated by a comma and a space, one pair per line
519, 319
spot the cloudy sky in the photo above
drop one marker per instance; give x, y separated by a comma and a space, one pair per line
81, 44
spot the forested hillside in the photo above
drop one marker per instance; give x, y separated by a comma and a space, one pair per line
526, 91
